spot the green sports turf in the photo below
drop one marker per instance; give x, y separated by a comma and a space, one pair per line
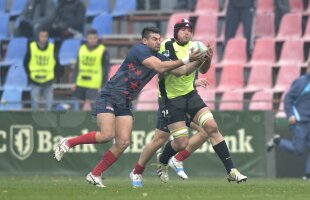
67, 188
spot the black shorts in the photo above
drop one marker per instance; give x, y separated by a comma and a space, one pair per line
108, 104
176, 109
85, 93
162, 124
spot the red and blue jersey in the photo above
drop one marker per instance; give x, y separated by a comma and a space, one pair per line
132, 76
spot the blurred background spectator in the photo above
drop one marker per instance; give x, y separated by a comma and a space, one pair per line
281, 7
240, 11
36, 13
185, 4
69, 19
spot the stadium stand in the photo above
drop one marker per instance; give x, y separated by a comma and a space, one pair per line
296, 6
147, 100
2, 6
264, 25
17, 7
232, 100
11, 99
262, 100
210, 6
306, 36
287, 74
235, 52
103, 24
264, 52
96, 7
123, 7
16, 78
260, 78
290, 27
15, 83
4, 26
264, 6
295, 57
231, 78
208, 95
68, 51
205, 30
16, 51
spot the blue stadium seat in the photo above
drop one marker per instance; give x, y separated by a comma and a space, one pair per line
123, 7
96, 7
68, 51
2, 6
4, 26
16, 52
16, 77
103, 24
17, 7
55, 2
11, 99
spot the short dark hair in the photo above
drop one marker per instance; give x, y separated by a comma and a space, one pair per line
43, 29
92, 32
147, 30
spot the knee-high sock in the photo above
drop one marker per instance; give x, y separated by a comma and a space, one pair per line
138, 169
168, 152
222, 151
107, 160
182, 155
88, 138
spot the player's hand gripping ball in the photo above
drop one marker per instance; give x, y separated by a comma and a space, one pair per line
197, 45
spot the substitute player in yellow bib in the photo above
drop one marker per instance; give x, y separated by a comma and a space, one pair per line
40, 63
181, 106
92, 70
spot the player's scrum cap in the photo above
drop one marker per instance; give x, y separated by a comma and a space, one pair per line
181, 23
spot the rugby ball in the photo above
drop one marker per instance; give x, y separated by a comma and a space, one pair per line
197, 45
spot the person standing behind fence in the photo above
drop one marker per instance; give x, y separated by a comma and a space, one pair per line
40, 63
297, 109
91, 72
240, 11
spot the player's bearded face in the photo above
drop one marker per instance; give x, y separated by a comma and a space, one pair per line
184, 35
153, 42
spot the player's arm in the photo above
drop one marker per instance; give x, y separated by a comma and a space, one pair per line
205, 66
163, 66
186, 69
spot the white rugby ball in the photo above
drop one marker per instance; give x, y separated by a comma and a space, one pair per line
197, 45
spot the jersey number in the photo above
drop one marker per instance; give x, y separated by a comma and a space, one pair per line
164, 112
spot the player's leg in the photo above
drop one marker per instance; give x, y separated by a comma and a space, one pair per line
106, 124
159, 139
205, 119
195, 142
148, 151
180, 140
122, 140
123, 131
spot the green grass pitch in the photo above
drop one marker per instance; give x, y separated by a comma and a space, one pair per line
75, 188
